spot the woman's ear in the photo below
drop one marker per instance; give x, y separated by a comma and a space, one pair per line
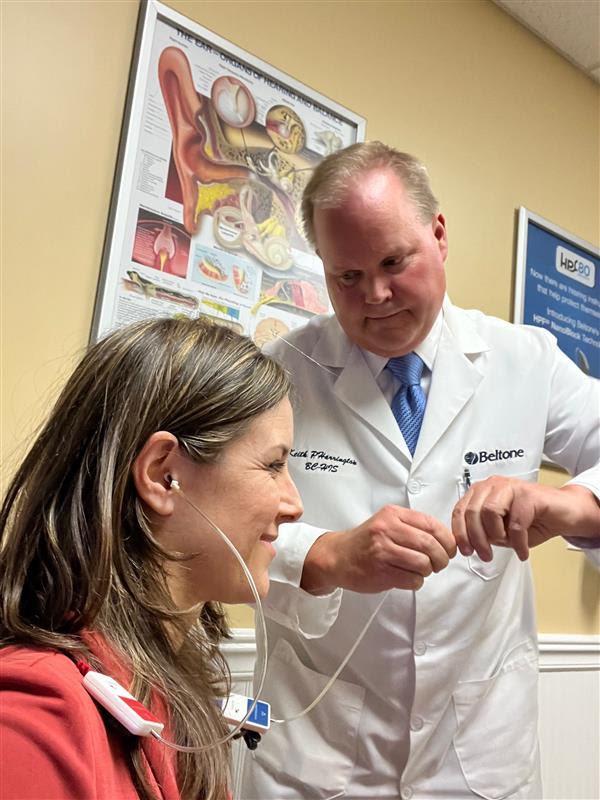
153, 464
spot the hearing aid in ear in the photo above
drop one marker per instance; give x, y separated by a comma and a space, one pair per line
173, 483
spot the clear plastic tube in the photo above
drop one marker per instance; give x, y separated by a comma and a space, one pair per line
261, 647
262, 628
335, 675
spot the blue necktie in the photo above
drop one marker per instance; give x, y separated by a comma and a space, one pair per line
408, 405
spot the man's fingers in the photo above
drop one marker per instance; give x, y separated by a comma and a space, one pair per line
520, 519
518, 538
474, 534
419, 552
438, 551
493, 512
497, 511
431, 531
400, 547
459, 528
477, 534
444, 536
403, 579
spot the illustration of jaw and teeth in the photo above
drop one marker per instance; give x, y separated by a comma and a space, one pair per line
164, 247
197, 142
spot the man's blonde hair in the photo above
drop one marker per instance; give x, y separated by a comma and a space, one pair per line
332, 178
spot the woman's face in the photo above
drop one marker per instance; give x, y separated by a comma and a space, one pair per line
247, 494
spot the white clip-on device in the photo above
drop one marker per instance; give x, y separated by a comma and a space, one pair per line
121, 704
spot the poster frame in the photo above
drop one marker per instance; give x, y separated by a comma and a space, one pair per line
150, 13
525, 219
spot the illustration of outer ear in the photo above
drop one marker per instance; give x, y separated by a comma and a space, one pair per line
195, 150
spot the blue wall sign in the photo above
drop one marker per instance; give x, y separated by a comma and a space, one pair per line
557, 287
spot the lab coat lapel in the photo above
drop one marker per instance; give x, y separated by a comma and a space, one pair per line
454, 379
355, 385
357, 388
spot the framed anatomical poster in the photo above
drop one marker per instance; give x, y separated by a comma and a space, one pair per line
216, 149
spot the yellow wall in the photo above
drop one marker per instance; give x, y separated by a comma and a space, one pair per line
500, 119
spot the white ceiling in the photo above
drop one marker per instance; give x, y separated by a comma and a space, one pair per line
570, 26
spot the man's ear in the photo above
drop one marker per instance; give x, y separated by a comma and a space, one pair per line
150, 469
439, 231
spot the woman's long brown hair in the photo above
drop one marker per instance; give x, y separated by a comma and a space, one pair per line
77, 552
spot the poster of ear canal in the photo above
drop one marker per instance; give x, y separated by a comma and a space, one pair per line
213, 224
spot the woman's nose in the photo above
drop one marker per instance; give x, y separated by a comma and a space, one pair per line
290, 505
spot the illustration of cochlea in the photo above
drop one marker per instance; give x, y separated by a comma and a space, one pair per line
266, 241
285, 128
276, 253
228, 227
233, 102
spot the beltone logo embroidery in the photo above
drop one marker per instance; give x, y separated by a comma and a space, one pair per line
495, 455
574, 266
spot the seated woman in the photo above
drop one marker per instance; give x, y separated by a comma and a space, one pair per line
104, 559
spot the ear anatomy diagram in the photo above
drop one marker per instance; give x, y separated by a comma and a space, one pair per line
234, 226
248, 176
205, 214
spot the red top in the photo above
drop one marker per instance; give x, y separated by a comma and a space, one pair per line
54, 744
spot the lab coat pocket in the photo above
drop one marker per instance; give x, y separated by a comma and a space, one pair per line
316, 752
496, 740
488, 570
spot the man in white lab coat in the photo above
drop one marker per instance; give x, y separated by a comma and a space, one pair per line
439, 700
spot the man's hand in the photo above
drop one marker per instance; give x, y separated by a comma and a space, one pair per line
395, 548
517, 514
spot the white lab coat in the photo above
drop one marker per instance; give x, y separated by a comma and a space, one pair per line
470, 631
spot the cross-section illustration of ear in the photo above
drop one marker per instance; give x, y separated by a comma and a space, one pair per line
196, 138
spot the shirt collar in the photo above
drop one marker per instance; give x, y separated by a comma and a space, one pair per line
427, 350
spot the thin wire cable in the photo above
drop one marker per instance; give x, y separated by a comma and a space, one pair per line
262, 650
302, 353
335, 675
261, 657
350, 653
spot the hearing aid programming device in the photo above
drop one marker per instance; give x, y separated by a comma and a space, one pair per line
236, 706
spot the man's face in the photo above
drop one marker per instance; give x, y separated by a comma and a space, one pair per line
384, 267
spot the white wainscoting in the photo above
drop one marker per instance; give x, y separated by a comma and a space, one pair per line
570, 716
569, 711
